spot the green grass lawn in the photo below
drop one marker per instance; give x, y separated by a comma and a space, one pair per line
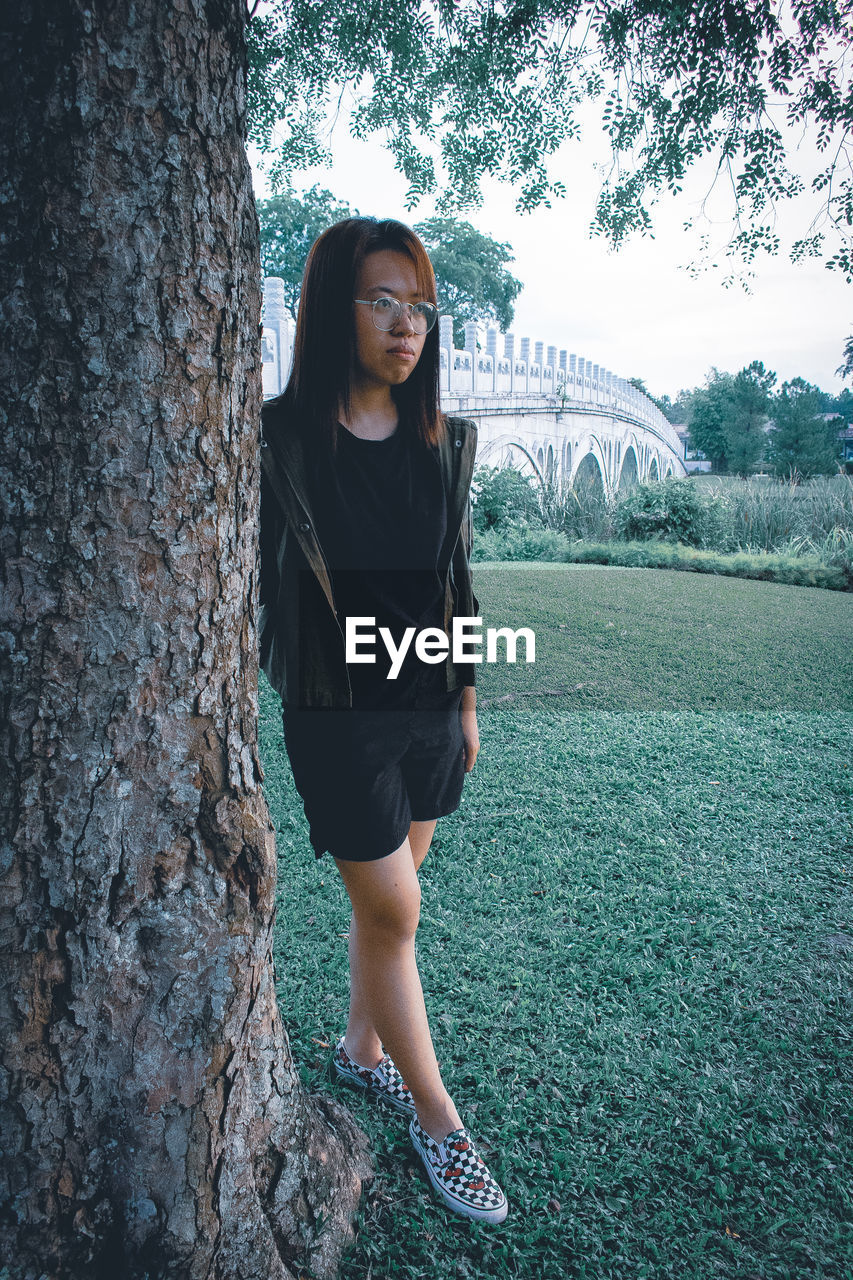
636, 941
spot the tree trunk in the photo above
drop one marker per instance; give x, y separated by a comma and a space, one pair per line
153, 1124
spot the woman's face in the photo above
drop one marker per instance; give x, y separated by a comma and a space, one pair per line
386, 358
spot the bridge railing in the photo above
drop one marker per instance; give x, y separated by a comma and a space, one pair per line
571, 379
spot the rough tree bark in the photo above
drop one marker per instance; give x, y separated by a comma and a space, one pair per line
153, 1124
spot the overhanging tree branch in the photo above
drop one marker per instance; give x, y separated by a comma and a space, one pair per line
495, 87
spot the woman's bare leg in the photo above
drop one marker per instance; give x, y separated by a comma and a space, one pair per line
385, 897
361, 1039
420, 837
362, 1042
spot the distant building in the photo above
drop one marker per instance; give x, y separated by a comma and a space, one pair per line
694, 459
845, 440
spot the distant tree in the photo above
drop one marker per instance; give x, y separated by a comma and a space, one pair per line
802, 442
678, 410
845, 370
471, 275
841, 404
748, 416
728, 416
290, 224
708, 413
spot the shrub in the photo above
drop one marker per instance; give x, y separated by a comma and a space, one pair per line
502, 497
521, 544
671, 510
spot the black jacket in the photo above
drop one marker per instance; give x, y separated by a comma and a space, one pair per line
301, 640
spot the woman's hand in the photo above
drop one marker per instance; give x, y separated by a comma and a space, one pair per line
470, 732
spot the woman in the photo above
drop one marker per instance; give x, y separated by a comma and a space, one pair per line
365, 514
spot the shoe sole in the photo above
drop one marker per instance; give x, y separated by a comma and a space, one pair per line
356, 1082
458, 1206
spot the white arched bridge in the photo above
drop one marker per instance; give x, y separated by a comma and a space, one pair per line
542, 410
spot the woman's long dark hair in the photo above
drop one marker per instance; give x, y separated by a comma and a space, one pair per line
324, 349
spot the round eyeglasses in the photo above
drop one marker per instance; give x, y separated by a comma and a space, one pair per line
387, 313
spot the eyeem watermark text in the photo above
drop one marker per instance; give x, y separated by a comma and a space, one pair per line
432, 644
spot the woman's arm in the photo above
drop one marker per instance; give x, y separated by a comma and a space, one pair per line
470, 732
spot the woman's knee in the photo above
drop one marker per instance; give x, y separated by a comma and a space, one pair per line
393, 915
385, 896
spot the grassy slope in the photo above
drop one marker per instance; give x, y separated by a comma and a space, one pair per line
636, 940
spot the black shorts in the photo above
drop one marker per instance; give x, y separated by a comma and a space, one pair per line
365, 775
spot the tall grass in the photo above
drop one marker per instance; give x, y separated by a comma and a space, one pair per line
579, 511
759, 514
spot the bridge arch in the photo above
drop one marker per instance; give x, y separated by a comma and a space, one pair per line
508, 452
629, 473
653, 470
597, 451
589, 474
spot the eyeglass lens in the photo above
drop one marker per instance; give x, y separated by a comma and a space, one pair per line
387, 312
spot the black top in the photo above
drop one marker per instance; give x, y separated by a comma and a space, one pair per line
381, 517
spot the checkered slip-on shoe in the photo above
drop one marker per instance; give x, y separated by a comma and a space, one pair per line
383, 1082
459, 1175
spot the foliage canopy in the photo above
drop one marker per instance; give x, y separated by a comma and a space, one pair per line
470, 267
289, 226
493, 87
728, 416
802, 442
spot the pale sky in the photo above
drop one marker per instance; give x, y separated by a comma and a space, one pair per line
636, 311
